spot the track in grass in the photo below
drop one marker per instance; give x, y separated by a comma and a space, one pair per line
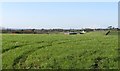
22, 58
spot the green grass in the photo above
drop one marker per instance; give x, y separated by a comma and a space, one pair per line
93, 50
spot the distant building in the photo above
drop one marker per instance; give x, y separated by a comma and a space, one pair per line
83, 32
71, 33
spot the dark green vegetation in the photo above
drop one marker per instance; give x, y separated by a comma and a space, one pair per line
92, 50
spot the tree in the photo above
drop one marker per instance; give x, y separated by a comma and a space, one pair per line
109, 27
33, 30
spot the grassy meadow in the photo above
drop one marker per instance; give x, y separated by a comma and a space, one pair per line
93, 50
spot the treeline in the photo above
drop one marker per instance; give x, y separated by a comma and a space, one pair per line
49, 31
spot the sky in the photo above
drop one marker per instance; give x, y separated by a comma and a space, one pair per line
62, 15
59, 0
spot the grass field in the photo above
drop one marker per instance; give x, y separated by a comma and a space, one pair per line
92, 50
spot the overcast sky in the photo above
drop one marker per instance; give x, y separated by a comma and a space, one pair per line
74, 15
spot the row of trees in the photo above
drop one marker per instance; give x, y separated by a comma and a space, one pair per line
41, 31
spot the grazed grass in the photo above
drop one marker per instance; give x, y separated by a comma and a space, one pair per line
93, 50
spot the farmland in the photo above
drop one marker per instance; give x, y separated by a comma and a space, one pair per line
93, 50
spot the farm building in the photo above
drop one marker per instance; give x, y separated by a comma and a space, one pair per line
74, 33
71, 33
83, 32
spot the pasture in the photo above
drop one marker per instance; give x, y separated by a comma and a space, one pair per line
93, 50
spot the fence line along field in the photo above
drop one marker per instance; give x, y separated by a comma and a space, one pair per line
93, 50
